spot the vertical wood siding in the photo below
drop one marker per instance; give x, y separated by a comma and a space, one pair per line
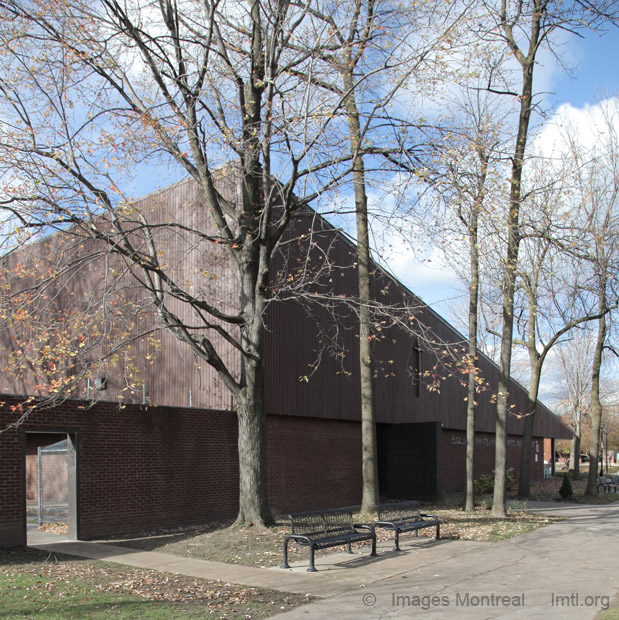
164, 372
297, 334
300, 332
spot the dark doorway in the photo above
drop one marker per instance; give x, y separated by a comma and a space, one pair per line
410, 461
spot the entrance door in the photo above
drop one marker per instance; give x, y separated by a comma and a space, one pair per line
51, 484
410, 461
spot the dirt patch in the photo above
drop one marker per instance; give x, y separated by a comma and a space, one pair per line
263, 547
220, 542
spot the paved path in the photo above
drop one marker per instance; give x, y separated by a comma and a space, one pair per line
566, 570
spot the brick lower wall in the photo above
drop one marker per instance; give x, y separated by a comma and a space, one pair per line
142, 468
147, 468
12, 487
454, 457
548, 445
313, 463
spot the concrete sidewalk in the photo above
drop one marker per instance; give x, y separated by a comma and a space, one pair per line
565, 570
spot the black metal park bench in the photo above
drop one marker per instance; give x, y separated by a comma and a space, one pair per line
405, 517
326, 528
608, 484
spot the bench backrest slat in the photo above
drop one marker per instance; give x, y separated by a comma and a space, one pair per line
399, 512
308, 524
322, 524
338, 523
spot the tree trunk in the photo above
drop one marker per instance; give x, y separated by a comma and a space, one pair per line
469, 501
253, 493
366, 371
596, 409
509, 285
511, 263
251, 412
574, 466
369, 458
253, 279
500, 455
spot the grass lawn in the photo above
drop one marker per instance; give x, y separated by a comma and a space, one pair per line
34, 584
612, 613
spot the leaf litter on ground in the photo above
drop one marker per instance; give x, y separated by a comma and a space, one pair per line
262, 547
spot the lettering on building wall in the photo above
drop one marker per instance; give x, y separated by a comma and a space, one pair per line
458, 440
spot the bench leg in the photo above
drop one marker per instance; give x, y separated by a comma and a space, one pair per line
438, 532
285, 562
397, 540
312, 568
348, 549
373, 546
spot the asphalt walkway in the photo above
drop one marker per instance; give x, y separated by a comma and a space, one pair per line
566, 570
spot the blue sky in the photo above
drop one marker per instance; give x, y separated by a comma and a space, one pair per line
596, 64
594, 61
595, 76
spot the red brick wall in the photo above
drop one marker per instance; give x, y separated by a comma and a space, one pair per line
147, 468
12, 493
144, 468
454, 457
313, 463
548, 455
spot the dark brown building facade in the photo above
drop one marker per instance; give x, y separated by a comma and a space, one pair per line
164, 452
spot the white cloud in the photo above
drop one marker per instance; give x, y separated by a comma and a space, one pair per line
585, 126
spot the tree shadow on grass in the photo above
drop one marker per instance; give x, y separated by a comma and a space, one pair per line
153, 540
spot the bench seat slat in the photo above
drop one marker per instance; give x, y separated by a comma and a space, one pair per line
332, 541
405, 517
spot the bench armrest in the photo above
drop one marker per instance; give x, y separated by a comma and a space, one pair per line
430, 516
384, 523
364, 526
298, 537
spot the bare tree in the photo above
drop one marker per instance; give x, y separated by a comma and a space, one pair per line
550, 311
93, 94
575, 357
354, 35
380, 47
525, 28
595, 157
462, 184
604, 232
